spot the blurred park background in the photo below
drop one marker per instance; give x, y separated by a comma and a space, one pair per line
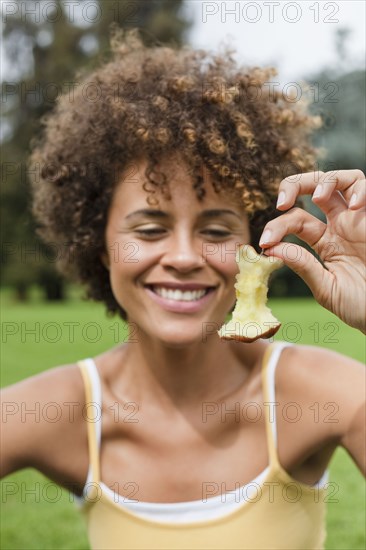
44, 44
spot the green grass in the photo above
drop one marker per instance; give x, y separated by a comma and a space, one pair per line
49, 519
35, 515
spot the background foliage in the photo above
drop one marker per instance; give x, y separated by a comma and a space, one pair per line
43, 52
42, 56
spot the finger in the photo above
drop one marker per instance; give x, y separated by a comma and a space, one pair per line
293, 186
302, 262
358, 197
320, 184
334, 185
297, 222
331, 206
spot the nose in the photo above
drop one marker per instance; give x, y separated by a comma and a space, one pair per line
183, 253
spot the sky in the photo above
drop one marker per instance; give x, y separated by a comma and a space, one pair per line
296, 37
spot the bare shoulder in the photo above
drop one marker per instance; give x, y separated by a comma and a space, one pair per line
56, 386
41, 417
332, 381
319, 370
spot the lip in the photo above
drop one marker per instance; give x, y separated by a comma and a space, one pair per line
181, 286
181, 306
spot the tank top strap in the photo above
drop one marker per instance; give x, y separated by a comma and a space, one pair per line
269, 363
93, 415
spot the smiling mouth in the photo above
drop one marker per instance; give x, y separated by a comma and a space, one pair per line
180, 295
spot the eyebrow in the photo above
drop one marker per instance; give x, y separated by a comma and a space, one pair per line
153, 213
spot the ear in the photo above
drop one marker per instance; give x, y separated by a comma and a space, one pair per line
105, 260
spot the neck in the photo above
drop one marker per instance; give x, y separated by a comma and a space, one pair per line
190, 374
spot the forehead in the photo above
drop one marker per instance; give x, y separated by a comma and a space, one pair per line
177, 190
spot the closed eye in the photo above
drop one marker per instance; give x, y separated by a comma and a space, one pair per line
149, 231
217, 233
154, 231
158, 231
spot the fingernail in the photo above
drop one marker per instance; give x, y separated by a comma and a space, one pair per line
318, 191
281, 198
266, 237
353, 200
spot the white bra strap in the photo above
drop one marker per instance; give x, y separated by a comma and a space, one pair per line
93, 415
96, 398
271, 370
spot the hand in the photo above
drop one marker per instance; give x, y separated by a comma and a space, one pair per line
340, 284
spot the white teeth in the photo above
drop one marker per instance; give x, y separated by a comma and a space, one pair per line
186, 296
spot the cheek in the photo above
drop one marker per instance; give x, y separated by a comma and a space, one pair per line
128, 261
224, 262
126, 256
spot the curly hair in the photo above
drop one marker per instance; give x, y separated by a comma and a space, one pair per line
148, 103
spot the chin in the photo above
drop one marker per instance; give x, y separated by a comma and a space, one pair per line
180, 341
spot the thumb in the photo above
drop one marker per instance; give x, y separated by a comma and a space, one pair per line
304, 264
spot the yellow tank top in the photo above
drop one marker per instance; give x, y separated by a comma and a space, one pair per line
284, 514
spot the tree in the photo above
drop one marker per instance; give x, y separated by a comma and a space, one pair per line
343, 112
44, 45
338, 95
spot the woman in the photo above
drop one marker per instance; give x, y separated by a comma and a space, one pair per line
178, 439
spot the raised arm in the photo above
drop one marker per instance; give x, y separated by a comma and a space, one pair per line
338, 281
329, 390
